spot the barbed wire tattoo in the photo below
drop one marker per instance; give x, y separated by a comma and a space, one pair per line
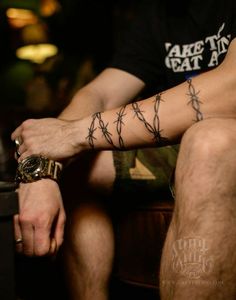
194, 100
91, 131
156, 121
154, 129
119, 123
103, 127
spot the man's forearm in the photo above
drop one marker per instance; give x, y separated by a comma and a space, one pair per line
161, 119
164, 118
110, 89
156, 121
84, 103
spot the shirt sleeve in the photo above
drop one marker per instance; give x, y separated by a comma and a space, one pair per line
139, 53
234, 20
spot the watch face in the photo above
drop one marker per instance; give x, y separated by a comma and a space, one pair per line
36, 167
32, 168
32, 164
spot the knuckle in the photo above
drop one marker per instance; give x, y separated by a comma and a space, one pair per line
30, 219
25, 219
27, 123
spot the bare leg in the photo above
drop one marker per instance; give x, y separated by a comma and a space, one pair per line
199, 257
89, 242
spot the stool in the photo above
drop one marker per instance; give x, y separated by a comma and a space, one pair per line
8, 208
140, 236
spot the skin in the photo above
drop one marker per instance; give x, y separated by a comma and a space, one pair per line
70, 130
72, 136
48, 212
102, 93
202, 234
68, 136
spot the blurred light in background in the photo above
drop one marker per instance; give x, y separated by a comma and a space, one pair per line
28, 19
36, 45
33, 5
49, 7
37, 53
18, 17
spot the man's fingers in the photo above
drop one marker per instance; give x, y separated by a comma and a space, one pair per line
53, 247
22, 152
27, 230
33, 241
16, 133
18, 235
40, 206
42, 241
59, 229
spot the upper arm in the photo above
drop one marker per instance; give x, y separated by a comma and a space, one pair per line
230, 58
116, 87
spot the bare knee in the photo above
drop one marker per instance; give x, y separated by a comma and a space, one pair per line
209, 139
206, 169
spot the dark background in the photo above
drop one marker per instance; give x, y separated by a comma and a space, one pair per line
83, 30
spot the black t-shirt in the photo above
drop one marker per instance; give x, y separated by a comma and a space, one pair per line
170, 41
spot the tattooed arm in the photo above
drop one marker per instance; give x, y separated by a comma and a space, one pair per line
161, 119
111, 88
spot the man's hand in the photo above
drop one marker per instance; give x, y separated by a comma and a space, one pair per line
41, 220
50, 137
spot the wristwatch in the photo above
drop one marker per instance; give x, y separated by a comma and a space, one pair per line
36, 167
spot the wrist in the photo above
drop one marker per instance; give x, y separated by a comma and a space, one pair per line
79, 132
36, 167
